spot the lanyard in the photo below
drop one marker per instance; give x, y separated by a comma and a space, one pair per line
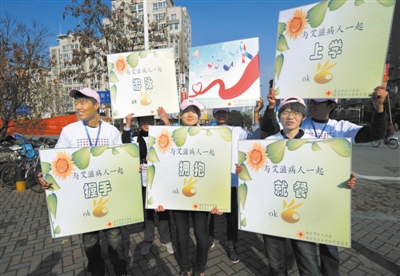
87, 133
315, 132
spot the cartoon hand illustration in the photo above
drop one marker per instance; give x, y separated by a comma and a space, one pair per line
100, 210
290, 215
189, 190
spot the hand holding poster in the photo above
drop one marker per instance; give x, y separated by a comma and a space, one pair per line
225, 74
189, 168
332, 49
140, 82
296, 189
92, 188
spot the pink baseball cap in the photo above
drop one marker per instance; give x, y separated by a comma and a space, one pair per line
321, 100
215, 110
189, 102
87, 92
292, 99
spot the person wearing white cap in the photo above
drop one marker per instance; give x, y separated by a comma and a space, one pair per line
91, 131
318, 125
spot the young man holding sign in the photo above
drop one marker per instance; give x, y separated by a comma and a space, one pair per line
91, 131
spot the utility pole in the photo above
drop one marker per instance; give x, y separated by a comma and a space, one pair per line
146, 26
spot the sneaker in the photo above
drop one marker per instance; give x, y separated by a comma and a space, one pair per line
170, 247
146, 248
232, 254
212, 242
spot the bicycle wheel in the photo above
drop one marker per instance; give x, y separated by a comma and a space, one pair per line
2, 166
32, 181
393, 143
9, 175
376, 143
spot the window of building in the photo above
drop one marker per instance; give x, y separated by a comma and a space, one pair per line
176, 26
159, 16
65, 48
159, 5
173, 16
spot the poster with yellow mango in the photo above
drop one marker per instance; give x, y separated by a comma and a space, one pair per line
296, 189
92, 188
189, 168
142, 81
332, 49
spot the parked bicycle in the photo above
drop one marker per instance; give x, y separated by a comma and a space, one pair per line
27, 159
392, 142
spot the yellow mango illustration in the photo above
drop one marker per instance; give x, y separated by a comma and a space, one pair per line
100, 209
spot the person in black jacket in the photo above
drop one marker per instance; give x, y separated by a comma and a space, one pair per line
163, 217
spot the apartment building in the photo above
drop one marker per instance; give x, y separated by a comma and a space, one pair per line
61, 56
174, 25
171, 28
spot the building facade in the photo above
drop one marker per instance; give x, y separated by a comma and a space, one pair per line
170, 28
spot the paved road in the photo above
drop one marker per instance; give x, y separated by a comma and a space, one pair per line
26, 247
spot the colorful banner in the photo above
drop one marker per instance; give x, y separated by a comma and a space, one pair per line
332, 49
140, 82
296, 189
189, 168
92, 188
225, 74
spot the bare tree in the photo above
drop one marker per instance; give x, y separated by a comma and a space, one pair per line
103, 30
23, 72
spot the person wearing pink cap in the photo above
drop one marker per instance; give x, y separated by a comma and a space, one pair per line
292, 112
91, 131
190, 115
318, 125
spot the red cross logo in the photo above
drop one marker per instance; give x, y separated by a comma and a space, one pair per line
328, 93
300, 234
229, 104
195, 206
109, 224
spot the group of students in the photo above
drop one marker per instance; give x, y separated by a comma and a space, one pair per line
292, 115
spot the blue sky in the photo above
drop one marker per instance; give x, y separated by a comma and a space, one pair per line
213, 21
